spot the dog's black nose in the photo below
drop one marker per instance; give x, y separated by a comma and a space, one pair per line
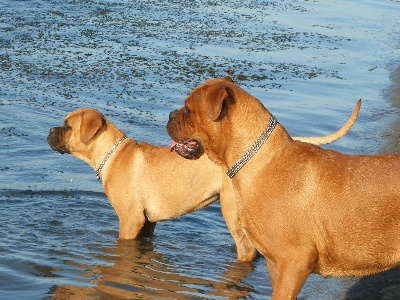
172, 114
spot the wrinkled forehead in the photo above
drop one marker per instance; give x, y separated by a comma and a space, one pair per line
73, 116
198, 94
194, 97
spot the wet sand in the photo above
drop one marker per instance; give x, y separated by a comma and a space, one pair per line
393, 134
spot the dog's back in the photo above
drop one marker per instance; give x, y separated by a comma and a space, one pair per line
348, 206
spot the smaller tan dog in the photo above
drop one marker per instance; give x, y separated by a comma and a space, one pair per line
136, 182
306, 209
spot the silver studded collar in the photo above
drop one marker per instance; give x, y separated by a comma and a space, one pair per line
103, 162
253, 149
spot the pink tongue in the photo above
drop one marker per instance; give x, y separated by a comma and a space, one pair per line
172, 146
191, 144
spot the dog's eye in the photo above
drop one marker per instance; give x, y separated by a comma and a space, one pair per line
187, 112
66, 127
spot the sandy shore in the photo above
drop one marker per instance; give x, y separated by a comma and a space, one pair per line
393, 134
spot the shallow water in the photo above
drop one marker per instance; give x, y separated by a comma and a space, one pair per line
307, 61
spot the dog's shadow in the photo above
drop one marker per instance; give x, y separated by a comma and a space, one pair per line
382, 286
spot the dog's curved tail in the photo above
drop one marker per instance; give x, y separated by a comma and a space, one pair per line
321, 140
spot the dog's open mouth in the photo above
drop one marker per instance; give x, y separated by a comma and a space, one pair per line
189, 149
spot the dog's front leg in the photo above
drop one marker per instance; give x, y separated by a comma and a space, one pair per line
245, 250
131, 225
271, 266
289, 277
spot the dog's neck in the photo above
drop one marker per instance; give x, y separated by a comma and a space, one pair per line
242, 132
107, 156
243, 129
103, 152
253, 149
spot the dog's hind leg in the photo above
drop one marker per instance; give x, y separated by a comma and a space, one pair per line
148, 228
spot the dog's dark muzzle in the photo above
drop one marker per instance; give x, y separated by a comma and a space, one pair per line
55, 142
173, 114
189, 149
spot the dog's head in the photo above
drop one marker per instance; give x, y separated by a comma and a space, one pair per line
79, 130
199, 125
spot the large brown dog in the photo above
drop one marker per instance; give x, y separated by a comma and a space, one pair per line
136, 182
306, 209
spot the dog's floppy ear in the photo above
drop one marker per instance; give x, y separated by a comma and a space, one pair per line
216, 101
91, 122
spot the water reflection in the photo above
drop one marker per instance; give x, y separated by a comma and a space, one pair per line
136, 61
133, 269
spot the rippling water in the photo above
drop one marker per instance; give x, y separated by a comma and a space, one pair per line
308, 61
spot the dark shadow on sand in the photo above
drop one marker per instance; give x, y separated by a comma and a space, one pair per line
382, 286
